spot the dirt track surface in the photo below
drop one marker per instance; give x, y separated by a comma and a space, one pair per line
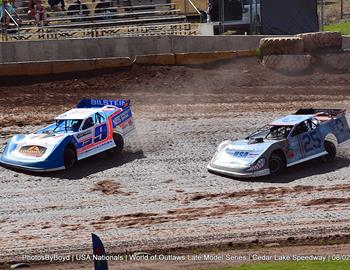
158, 194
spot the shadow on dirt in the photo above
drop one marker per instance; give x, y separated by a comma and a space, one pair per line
306, 169
92, 165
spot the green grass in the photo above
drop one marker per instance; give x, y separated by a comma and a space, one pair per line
343, 27
291, 265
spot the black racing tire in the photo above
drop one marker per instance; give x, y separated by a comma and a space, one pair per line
331, 150
119, 141
320, 41
281, 45
69, 157
276, 164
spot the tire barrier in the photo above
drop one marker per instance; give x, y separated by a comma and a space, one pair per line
314, 42
281, 45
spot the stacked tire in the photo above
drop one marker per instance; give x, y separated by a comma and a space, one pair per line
295, 54
284, 54
327, 47
320, 42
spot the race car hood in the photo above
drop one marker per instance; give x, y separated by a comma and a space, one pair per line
43, 139
239, 154
34, 146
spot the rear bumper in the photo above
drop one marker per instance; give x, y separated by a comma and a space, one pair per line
231, 172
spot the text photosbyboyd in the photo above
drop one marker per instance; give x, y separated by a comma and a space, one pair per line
196, 257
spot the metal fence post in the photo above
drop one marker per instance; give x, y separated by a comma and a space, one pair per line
185, 8
250, 15
322, 15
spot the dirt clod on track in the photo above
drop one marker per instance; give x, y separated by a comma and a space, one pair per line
157, 193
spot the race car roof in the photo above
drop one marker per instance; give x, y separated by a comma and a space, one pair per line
291, 120
77, 114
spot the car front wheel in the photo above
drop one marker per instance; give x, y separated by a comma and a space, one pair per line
69, 157
276, 164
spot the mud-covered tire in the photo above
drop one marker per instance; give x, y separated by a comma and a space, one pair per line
281, 45
331, 150
119, 141
69, 158
314, 42
276, 164
288, 63
339, 61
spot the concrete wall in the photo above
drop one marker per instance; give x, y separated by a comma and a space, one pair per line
24, 51
346, 42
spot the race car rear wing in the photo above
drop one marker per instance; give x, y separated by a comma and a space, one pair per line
329, 112
99, 103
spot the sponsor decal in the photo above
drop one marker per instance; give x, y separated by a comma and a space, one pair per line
86, 142
259, 165
237, 154
84, 133
120, 118
104, 102
33, 150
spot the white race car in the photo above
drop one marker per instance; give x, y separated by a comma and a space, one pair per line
289, 140
95, 126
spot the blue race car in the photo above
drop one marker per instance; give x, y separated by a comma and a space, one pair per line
289, 140
94, 126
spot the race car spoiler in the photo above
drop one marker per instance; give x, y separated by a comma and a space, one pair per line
330, 112
99, 103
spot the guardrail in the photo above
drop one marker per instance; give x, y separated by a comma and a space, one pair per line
178, 29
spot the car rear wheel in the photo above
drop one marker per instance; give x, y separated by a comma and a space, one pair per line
70, 158
276, 164
331, 151
119, 142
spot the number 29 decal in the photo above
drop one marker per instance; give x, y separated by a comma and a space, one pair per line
311, 141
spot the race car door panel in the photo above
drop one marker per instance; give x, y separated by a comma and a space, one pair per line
306, 141
293, 152
86, 142
311, 143
101, 133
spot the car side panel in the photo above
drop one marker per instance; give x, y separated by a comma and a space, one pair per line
312, 143
94, 140
123, 122
293, 149
338, 126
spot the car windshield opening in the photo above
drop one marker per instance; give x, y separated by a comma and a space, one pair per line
67, 125
272, 132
